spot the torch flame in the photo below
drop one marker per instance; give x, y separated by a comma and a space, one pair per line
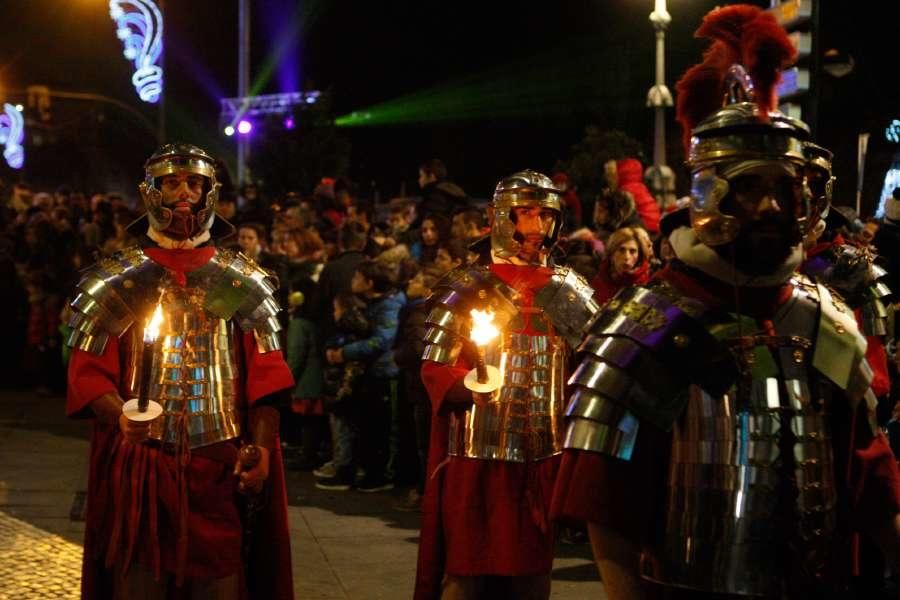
151, 331
483, 329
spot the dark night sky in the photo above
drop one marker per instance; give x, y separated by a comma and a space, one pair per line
595, 58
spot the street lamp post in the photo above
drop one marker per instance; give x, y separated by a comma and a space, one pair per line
659, 177
243, 82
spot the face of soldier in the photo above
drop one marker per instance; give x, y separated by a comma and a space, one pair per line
181, 192
625, 258
533, 225
764, 199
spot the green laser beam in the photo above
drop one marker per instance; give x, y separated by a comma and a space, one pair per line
583, 73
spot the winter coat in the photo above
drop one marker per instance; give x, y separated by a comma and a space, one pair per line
441, 198
334, 280
630, 179
375, 350
410, 346
605, 287
303, 358
340, 379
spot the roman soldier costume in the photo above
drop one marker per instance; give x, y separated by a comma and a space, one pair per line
168, 509
722, 417
494, 460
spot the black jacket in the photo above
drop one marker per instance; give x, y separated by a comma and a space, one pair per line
334, 280
441, 198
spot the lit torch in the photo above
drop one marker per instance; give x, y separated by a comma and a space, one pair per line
142, 408
483, 378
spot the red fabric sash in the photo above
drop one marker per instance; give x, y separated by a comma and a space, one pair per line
179, 262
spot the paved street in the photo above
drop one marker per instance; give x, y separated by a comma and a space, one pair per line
346, 545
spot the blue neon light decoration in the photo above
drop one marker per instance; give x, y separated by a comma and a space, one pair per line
892, 131
139, 24
12, 136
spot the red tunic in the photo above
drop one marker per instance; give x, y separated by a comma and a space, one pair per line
482, 517
133, 490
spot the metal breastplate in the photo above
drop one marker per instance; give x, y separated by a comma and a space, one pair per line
523, 420
751, 493
195, 371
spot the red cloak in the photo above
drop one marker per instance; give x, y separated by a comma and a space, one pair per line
122, 474
482, 517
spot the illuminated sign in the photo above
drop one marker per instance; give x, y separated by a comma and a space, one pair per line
892, 131
139, 24
12, 136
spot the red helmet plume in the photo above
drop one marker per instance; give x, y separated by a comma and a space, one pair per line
741, 34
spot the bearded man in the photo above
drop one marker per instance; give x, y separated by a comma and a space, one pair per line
722, 422
495, 450
166, 510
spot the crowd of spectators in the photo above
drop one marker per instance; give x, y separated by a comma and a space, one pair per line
353, 278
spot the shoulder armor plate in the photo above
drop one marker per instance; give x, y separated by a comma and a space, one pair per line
640, 357
568, 301
453, 297
839, 347
112, 294
237, 287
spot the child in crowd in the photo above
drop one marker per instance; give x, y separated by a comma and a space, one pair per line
340, 383
408, 349
375, 282
307, 415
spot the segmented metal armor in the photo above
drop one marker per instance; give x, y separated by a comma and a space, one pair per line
524, 418
749, 416
848, 269
197, 364
852, 272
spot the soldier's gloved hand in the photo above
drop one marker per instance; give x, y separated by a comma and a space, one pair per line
252, 480
134, 432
